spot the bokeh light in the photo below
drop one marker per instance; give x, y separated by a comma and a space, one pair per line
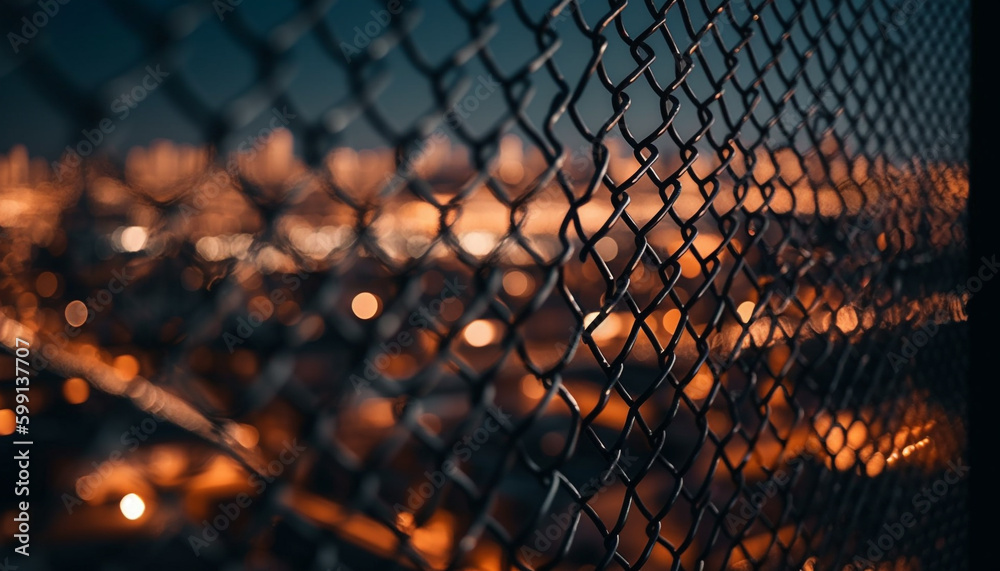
46, 284
6, 422
365, 305
75, 390
132, 506
516, 282
133, 238
126, 366
480, 333
76, 313
671, 319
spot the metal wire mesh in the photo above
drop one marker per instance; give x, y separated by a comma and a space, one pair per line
622, 285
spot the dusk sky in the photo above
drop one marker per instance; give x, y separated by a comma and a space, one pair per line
102, 53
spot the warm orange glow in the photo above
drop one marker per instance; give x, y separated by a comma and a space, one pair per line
365, 305
46, 284
511, 172
835, 439
76, 313
27, 301
76, 390
778, 357
511, 168
133, 238
701, 385
243, 362
126, 366
868, 446
210, 248
847, 319
516, 282
6, 422
377, 413
875, 465
857, 435
868, 436
607, 248
745, 311
671, 319
431, 422
132, 506
480, 333
690, 268
532, 387
452, 309
167, 464
311, 327
610, 327
479, 243
844, 459
246, 435
404, 521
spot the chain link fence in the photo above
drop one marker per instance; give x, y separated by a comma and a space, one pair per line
492, 285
